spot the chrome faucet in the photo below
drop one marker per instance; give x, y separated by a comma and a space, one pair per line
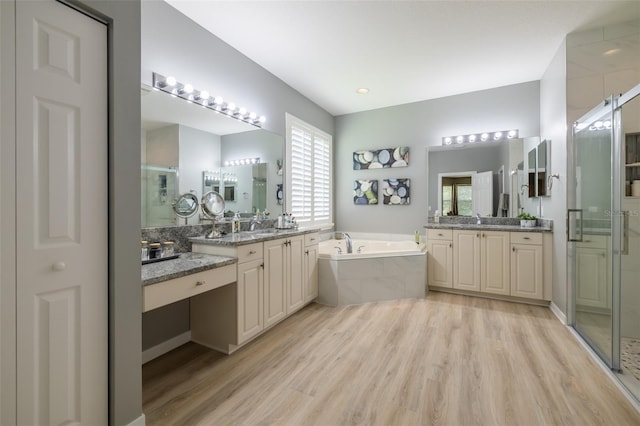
254, 221
479, 221
347, 238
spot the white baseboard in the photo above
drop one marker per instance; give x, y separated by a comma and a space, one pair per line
558, 313
140, 421
166, 346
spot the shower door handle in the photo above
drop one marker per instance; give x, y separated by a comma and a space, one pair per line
625, 232
574, 232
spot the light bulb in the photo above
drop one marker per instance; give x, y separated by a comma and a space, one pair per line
226, 163
447, 140
598, 124
242, 111
262, 119
472, 138
188, 88
459, 139
484, 136
231, 107
511, 134
204, 95
218, 100
171, 81
497, 135
252, 115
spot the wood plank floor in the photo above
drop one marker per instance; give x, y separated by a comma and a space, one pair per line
444, 360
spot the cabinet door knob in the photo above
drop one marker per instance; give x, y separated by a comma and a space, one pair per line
59, 266
306, 252
526, 238
439, 235
252, 252
478, 235
450, 245
312, 239
513, 249
199, 283
262, 266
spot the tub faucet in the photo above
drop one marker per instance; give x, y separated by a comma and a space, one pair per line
347, 238
479, 221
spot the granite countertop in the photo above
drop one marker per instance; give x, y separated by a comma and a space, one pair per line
250, 237
186, 264
510, 228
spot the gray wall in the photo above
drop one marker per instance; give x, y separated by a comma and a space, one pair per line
125, 295
172, 44
419, 125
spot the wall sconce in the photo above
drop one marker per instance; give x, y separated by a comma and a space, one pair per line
242, 162
500, 135
203, 98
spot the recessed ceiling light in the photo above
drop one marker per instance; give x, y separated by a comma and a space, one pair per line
362, 91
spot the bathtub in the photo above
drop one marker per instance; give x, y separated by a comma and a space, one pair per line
380, 268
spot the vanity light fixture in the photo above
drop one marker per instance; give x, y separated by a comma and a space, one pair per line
242, 162
480, 137
187, 92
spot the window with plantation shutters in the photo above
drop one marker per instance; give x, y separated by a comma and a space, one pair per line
309, 158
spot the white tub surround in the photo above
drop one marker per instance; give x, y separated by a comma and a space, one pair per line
380, 268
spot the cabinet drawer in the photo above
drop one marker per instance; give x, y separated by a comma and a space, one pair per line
311, 239
249, 252
526, 238
166, 292
439, 234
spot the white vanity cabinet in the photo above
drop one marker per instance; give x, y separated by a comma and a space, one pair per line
440, 258
311, 253
502, 263
527, 265
231, 315
481, 261
274, 279
592, 269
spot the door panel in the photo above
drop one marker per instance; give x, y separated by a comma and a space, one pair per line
61, 135
592, 172
466, 260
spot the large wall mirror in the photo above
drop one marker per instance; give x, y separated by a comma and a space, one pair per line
486, 178
184, 150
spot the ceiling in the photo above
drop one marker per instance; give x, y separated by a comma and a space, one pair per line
402, 51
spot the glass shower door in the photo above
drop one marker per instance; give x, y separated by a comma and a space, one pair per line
591, 227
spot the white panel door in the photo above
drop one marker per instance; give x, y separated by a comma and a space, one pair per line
295, 274
275, 293
61, 157
483, 193
466, 260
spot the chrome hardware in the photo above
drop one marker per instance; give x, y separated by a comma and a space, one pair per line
479, 221
347, 237
360, 249
574, 230
339, 249
625, 232
199, 283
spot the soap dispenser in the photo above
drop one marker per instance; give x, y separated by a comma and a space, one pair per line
235, 223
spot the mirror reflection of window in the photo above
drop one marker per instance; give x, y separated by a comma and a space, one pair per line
457, 196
